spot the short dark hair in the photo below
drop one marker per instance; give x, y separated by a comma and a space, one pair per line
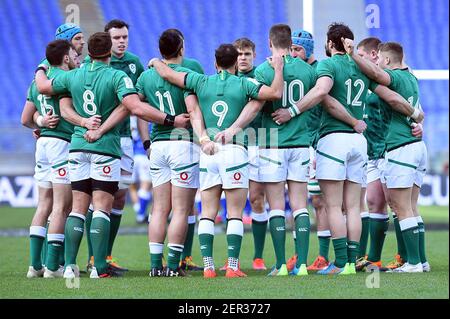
243, 43
56, 50
369, 44
280, 36
116, 23
170, 44
336, 31
395, 50
99, 45
226, 56
177, 32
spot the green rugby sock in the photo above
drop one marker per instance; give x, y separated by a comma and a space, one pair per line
365, 230
340, 251
423, 257
173, 256
73, 233
302, 229
37, 237
324, 243
410, 232
156, 254
187, 250
259, 230
401, 248
100, 229
277, 224
379, 224
115, 218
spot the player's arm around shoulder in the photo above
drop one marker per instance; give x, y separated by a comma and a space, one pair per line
174, 77
370, 69
275, 90
398, 103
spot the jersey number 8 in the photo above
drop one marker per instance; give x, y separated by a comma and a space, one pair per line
89, 106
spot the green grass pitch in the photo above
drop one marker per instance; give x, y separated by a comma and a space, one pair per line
132, 252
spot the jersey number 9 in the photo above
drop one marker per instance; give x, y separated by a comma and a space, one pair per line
222, 113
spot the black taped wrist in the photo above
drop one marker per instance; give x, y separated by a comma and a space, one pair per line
146, 144
169, 120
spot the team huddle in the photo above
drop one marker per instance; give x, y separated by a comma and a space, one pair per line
343, 132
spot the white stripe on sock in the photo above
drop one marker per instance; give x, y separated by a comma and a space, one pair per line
235, 227
55, 237
379, 215
294, 234
206, 226
155, 248
117, 212
276, 212
77, 215
419, 219
176, 247
99, 214
38, 231
324, 233
408, 223
260, 217
364, 214
302, 211
192, 219
91, 207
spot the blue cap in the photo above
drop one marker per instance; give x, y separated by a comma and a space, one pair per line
67, 31
304, 39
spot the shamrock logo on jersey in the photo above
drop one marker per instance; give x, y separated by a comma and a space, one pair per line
132, 67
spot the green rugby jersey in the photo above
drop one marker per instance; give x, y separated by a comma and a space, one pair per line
132, 66
96, 89
257, 121
404, 83
377, 126
314, 116
299, 77
350, 87
44, 104
193, 65
166, 97
222, 97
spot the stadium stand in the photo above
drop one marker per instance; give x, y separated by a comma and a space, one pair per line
21, 54
202, 24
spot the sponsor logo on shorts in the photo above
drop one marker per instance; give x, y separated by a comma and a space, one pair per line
62, 172
237, 176
107, 169
184, 176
